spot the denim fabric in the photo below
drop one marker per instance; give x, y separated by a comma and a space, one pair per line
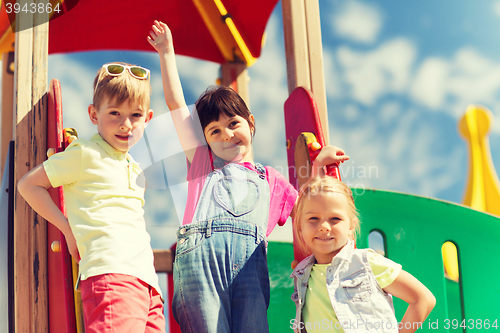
220, 270
357, 299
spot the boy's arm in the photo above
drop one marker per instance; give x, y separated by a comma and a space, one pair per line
420, 300
33, 187
161, 39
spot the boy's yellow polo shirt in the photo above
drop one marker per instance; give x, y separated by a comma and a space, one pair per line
104, 195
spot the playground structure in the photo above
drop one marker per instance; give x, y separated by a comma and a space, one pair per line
412, 235
483, 187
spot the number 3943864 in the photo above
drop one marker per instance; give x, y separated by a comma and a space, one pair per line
32, 8
471, 324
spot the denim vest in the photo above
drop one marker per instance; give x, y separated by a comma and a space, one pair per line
220, 270
357, 299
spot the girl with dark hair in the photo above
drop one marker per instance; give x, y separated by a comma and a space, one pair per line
220, 271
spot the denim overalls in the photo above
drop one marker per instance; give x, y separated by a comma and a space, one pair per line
220, 270
357, 299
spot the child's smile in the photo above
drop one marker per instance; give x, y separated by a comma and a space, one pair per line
122, 125
325, 226
230, 138
124, 137
232, 145
326, 239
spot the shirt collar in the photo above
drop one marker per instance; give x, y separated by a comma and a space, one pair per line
344, 254
303, 266
110, 150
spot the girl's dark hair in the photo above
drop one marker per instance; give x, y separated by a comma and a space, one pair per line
217, 100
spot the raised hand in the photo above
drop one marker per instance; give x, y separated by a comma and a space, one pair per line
160, 37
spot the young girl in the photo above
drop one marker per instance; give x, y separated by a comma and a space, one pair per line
341, 288
220, 272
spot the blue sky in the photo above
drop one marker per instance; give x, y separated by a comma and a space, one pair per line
399, 75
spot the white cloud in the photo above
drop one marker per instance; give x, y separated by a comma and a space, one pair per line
357, 21
268, 92
428, 86
196, 75
333, 86
437, 83
351, 112
401, 153
384, 70
399, 138
389, 111
496, 7
452, 84
76, 91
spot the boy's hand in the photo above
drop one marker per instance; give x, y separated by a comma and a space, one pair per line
33, 187
72, 248
160, 37
328, 155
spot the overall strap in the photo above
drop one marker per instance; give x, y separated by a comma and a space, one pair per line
260, 169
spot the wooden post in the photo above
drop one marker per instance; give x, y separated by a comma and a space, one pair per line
304, 52
316, 70
30, 233
296, 49
38, 155
235, 75
7, 107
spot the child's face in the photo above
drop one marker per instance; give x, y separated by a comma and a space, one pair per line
325, 224
230, 138
122, 126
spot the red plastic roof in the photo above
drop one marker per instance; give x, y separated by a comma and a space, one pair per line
123, 25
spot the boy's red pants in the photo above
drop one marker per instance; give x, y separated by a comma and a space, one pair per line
118, 303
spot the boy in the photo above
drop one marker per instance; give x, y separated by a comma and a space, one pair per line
105, 223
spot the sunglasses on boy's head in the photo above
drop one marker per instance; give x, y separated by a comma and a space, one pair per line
138, 72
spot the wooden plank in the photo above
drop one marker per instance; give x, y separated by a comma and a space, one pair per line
22, 212
39, 296
235, 75
315, 51
164, 261
304, 52
30, 85
302, 160
7, 122
296, 49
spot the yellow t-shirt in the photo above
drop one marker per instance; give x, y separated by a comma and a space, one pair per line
104, 194
318, 314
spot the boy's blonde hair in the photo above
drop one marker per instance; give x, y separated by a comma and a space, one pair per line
321, 186
120, 88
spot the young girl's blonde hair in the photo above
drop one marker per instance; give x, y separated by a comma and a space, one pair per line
321, 186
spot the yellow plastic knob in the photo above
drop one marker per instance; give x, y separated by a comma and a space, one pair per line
51, 151
55, 246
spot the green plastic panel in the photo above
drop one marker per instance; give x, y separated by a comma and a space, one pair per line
415, 228
281, 307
